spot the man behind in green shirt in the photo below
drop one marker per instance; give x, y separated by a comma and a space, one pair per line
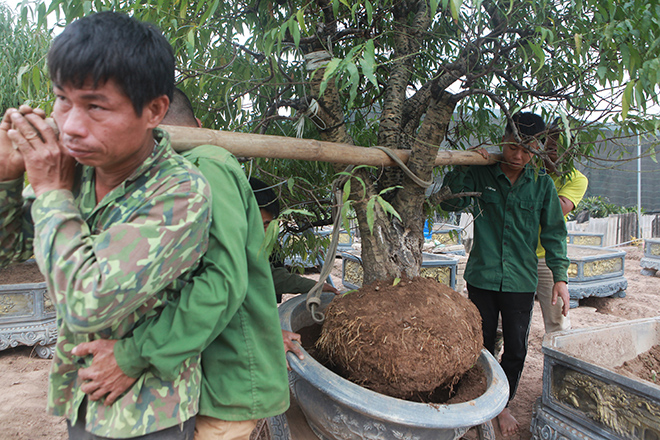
227, 312
570, 189
285, 281
501, 269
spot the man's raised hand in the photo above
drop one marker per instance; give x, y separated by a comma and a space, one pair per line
48, 166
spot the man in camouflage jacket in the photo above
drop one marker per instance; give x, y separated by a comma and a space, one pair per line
116, 221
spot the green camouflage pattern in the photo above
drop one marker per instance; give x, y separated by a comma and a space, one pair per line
109, 267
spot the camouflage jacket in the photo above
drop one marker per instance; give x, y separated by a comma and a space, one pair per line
109, 267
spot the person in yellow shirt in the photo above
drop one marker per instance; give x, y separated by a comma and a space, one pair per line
570, 189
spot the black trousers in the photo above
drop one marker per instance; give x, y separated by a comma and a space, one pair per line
184, 432
516, 310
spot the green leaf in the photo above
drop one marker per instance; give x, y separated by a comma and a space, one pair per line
540, 54
21, 72
370, 11
327, 74
455, 7
349, 291
36, 77
354, 80
290, 183
652, 154
434, 7
295, 32
209, 12
300, 17
397, 280
578, 43
368, 62
347, 191
626, 99
387, 207
184, 9
371, 207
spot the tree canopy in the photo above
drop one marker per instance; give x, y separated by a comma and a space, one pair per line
422, 75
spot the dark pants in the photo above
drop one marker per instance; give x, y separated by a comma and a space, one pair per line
184, 432
516, 310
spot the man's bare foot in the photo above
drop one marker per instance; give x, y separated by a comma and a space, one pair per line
508, 424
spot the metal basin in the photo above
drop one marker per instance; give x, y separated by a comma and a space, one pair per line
336, 408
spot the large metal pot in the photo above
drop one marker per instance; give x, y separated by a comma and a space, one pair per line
336, 408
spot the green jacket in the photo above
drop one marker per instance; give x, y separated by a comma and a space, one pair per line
108, 267
228, 310
506, 227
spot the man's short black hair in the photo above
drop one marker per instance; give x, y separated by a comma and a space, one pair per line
529, 125
110, 45
266, 198
180, 112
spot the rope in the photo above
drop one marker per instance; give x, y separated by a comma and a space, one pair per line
404, 168
313, 301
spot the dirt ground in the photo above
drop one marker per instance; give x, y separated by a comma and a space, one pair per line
24, 376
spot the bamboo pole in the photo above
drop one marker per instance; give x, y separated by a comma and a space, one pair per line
281, 147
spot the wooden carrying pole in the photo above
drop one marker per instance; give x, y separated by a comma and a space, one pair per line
280, 147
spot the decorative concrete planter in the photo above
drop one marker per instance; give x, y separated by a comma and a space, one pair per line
585, 238
345, 241
442, 268
337, 409
27, 317
651, 261
584, 398
595, 271
448, 239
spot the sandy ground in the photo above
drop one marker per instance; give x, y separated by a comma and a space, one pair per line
24, 376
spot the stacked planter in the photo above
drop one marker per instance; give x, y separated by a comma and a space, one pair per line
585, 238
595, 271
27, 317
651, 261
442, 268
584, 398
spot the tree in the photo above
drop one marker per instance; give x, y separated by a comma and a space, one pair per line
23, 51
416, 74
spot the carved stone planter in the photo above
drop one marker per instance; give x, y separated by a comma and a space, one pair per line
584, 398
651, 261
595, 271
585, 238
442, 268
448, 239
27, 317
337, 409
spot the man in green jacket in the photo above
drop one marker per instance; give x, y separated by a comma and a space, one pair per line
228, 313
501, 269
